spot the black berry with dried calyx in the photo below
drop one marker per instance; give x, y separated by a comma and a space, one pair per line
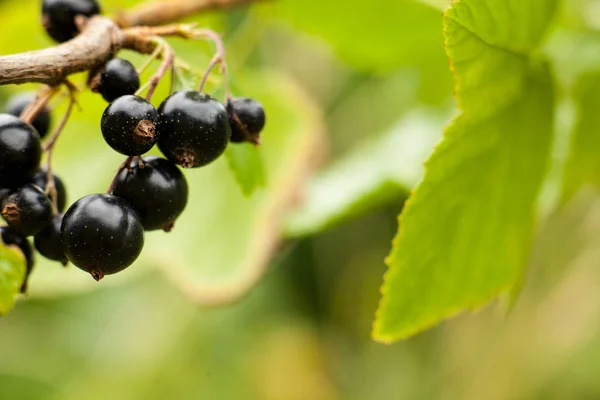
27, 210
102, 234
247, 119
129, 125
193, 128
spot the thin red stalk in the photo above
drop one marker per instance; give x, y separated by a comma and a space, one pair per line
167, 62
49, 148
125, 165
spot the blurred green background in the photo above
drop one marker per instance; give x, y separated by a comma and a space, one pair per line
357, 95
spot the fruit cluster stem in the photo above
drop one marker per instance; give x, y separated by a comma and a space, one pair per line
168, 61
218, 58
51, 143
126, 165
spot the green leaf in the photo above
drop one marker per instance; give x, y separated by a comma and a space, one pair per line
583, 164
12, 274
466, 231
375, 172
247, 166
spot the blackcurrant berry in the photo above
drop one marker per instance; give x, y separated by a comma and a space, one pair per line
41, 180
17, 104
102, 234
20, 151
27, 210
128, 125
117, 78
48, 242
193, 128
58, 16
247, 119
3, 193
158, 192
11, 237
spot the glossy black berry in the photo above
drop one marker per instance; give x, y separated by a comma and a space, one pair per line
128, 125
193, 128
58, 16
247, 119
41, 180
118, 78
11, 237
27, 210
17, 104
158, 192
48, 242
102, 234
20, 151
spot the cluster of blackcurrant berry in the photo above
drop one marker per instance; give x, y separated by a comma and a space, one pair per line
104, 233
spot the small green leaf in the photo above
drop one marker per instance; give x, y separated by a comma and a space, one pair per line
12, 274
247, 166
466, 231
583, 164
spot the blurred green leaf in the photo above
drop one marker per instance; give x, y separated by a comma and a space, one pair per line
583, 164
406, 34
466, 231
374, 173
247, 166
12, 274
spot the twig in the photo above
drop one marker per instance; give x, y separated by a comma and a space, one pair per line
99, 40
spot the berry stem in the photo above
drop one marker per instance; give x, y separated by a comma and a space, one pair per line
51, 143
168, 60
125, 165
155, 54
218, 58
33, 109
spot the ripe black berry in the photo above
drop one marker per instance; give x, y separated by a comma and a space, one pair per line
48, 242
20, 151
11, 237
17, 104
247, 119
193, 128
58, 16
117, 78
158, 192
41, 180
102, 234
128, 125
27, 210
